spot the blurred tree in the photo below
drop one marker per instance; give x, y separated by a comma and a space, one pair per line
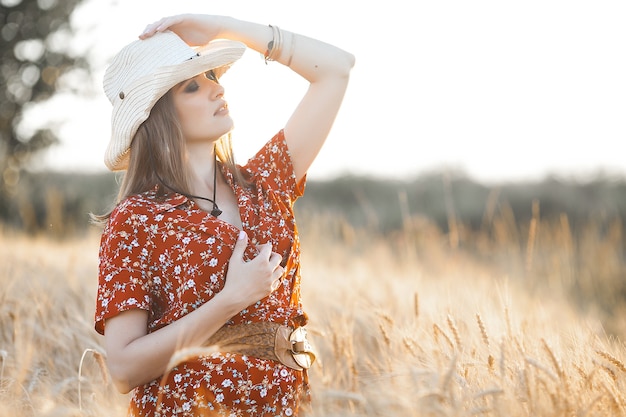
36, 57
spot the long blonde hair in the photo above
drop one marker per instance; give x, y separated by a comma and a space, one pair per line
158, 151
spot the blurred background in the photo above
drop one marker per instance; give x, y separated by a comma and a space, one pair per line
449, 104
498, 90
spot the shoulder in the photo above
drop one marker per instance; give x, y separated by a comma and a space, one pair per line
272, 160
271, 168
140, 208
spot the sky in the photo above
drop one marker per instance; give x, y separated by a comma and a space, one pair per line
500, 90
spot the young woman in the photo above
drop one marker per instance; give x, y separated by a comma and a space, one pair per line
201, 252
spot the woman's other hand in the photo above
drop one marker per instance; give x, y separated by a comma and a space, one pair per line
194, 29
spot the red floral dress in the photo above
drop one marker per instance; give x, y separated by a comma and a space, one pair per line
168, 257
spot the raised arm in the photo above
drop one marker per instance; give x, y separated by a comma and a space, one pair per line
324, 66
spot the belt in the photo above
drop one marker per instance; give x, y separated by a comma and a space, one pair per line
266, 340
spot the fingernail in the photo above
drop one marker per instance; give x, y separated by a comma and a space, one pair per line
242, 235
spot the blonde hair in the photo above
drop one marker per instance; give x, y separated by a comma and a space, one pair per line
158, 151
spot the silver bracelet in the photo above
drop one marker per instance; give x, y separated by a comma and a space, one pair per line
274, 47
292, 47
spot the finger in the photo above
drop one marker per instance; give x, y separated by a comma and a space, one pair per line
276, 284
240, 245
159, 26
265, 250
150, 29
278, 274
275, 259
166, 23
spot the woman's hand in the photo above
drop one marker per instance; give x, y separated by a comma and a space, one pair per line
248, 282
194, 29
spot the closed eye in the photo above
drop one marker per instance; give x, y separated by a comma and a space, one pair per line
191, 87
211, 76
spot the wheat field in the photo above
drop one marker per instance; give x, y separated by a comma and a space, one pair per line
414, 323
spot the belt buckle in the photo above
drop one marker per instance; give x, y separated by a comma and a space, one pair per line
301, 349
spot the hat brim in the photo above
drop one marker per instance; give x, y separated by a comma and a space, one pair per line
134, 108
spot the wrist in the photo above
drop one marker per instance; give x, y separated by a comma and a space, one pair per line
227, 303
281, 47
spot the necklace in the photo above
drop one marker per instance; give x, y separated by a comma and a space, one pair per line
215, 212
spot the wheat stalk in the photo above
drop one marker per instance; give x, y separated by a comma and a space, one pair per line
610, 372
537, 365
532, 235
502, 358
383, 331
411, 345
100, 360
438, 331
3, 355
618, 364
555, 362
580, 371
507, 318
455, 332
491, 362
492, 391
483, 329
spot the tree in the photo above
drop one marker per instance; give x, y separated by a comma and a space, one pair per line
35, 57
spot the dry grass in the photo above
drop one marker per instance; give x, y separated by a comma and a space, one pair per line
46, 325
409, 325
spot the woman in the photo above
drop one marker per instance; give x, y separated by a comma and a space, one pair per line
200, 251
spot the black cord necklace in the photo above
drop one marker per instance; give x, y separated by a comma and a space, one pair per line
215, 212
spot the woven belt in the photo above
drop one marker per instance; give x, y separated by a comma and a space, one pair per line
266, 340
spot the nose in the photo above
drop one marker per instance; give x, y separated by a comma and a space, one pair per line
216, 91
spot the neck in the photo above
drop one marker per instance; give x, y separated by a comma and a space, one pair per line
203, 168
200, 153
215, 211
201, 159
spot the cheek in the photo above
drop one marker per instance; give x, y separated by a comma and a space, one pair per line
190, 118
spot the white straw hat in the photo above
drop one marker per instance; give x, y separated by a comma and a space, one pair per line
143, 71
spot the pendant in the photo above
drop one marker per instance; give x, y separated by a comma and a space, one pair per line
216, 212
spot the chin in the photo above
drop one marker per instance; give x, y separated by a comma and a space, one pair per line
227, 130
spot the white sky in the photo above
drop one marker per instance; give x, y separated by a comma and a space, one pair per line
503, 90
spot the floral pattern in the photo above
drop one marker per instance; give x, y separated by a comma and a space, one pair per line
168, 257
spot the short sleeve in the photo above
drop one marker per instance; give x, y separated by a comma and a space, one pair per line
123, 278
273, 166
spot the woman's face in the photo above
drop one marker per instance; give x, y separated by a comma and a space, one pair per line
201, 108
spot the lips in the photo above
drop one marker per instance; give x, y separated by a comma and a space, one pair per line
222, 109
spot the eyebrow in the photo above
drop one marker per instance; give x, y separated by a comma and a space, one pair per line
179, 85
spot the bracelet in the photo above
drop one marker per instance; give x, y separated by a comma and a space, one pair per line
292, 47
274, 47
